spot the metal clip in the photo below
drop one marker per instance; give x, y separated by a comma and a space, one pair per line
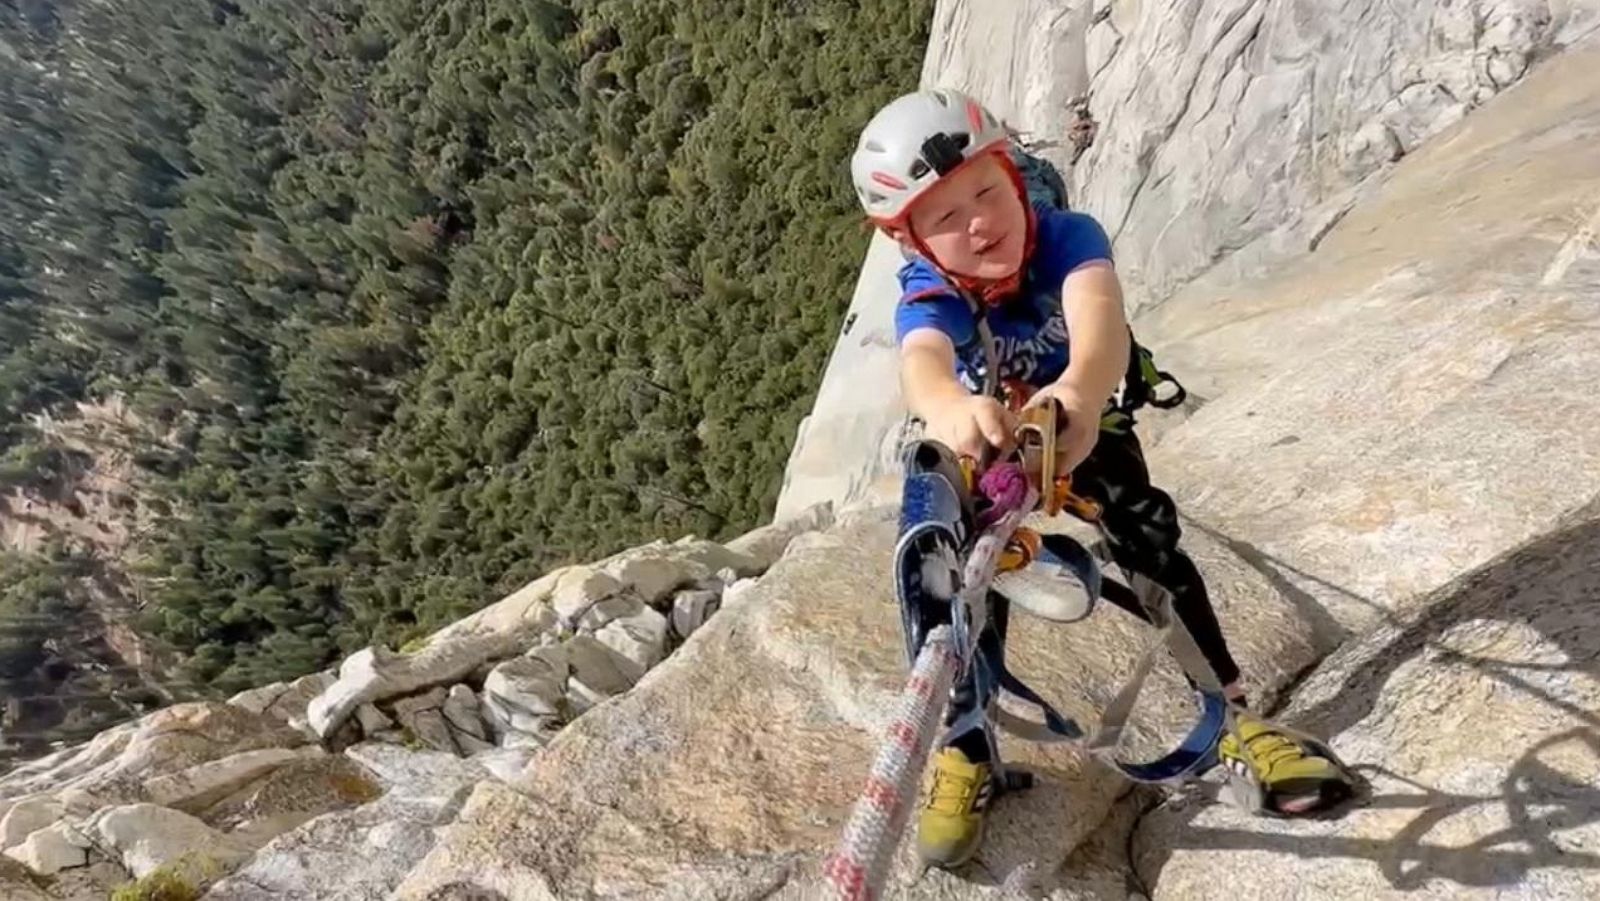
1036, 445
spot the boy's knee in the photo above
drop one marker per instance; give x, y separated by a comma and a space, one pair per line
1143, 538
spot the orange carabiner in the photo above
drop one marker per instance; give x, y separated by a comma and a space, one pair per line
1082, 507
1021, 550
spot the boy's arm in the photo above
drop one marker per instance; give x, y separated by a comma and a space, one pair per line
1097, 333
1097, 348
928, 372
966, 423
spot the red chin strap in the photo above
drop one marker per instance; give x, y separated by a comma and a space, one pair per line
990, 292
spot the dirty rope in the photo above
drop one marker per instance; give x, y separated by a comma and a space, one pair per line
856, 870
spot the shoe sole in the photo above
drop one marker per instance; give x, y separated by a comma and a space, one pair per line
1311, 798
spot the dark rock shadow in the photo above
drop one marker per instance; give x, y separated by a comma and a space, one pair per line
1550, 585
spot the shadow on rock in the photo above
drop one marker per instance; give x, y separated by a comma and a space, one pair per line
1473, 721
1549, 585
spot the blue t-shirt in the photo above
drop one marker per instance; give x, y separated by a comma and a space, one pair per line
1030, 331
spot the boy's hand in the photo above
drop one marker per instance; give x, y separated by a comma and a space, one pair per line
1082, 424
973, 424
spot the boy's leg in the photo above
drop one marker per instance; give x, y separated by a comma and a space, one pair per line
963, 779
1142, 523
936, 514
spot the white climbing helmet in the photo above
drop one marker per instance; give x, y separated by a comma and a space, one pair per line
913, 142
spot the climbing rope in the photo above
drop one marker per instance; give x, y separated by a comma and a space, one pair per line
856, 870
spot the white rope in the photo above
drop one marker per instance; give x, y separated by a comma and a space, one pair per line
856, 870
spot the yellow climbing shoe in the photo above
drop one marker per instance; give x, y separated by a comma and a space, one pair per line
1293, 778
951, 824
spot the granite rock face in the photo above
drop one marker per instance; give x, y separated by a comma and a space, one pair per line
1229, 137
729, 769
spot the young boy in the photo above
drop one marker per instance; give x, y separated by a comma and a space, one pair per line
932, 170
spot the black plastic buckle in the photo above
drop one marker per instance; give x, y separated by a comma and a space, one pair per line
943, 151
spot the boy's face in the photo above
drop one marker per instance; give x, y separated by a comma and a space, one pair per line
973, 222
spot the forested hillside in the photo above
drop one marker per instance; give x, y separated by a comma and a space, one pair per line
418, 299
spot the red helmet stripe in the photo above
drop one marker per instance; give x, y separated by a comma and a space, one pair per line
887, 180
975, 117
